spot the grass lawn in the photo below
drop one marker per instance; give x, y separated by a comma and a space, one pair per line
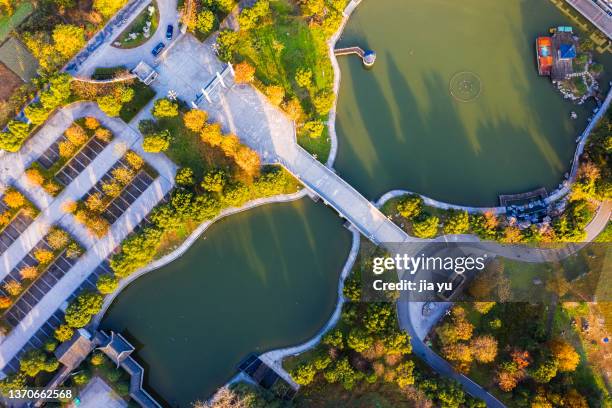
143, 94
9, 23
137, 26
319, 146
278, 49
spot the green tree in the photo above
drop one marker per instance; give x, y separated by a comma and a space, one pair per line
165, 108
303, 374
214, 181
80, 311
404, 375
109, 105
35, 361
451, 395
546, 371
410, 206
250, 17
107, 284
12, 140
323, 102
426, 226
227, 44
334, 339
156, 142
205, 21
342, 372
359, 340
184, 177
457, 222
303, 77
68, 39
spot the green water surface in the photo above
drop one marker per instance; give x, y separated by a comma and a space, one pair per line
259, 280
399, 127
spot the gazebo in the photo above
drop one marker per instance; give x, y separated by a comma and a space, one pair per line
117, 348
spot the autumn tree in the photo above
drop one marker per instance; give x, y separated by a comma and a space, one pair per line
80, 311
14, 199
35, 361
28, 272
57, 239
566, 355
195, 120
108, 7
63, 333
303, 374
34, 177
184, 177
68, 39
404, 375
248, 160
244, 73
484, 348
109, 105
211, 134
275, 94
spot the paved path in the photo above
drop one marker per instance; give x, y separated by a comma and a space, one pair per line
108, 56
594, 13
97, 250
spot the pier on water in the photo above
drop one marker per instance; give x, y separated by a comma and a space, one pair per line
367, 56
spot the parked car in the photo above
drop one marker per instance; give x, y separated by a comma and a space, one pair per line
158, 48
169, 32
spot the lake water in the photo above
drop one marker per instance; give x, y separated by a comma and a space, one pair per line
400, 127
259, 280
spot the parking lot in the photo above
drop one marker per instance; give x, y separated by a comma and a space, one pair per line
80, 161
12, 231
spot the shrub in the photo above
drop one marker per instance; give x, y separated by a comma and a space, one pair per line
50, 345
81, 377
156, 142
91, 123
244, 73
34, 177
28, 272
63, 333
195, 119
107, 284
165, 108
57, 239
97, 358
12, 287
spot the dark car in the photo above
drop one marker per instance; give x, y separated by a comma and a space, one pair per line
169, 32
158, 48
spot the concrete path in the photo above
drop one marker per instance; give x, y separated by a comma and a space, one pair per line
109, 56
97, 250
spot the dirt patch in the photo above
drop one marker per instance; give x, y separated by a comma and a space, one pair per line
9, 81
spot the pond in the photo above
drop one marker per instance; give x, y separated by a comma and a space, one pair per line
255, 281
453, 107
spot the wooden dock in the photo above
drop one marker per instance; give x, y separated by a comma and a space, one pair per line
368, 57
